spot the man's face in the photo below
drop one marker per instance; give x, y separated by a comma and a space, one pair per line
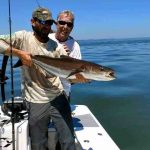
64, 27
42, 28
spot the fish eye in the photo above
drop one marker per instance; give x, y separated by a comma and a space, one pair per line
111, 74
102, 69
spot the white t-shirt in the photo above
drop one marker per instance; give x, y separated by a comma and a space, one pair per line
36, 87
75, 53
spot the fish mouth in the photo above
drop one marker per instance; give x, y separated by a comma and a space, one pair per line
111, 75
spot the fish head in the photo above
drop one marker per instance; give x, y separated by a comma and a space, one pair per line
101, 73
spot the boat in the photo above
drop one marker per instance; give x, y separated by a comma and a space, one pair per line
89, 133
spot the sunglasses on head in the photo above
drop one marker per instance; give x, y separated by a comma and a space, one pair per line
69, 24
47, 22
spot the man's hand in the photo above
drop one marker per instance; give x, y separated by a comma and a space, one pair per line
66, 49
25, 58
23, 55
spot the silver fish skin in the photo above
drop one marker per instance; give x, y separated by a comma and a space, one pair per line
71, 68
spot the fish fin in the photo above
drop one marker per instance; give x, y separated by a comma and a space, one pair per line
75, 72
2, 81
67, 57
18, 64
79, 79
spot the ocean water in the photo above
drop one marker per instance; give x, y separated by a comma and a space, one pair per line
122, 106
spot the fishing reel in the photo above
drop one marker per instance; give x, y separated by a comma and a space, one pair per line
17, 109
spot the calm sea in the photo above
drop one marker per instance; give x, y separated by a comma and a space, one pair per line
122, 106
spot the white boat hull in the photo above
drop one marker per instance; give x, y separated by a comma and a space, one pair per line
89, 132
22, 140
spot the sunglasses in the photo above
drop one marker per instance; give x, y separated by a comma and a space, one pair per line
69, 24
47, 22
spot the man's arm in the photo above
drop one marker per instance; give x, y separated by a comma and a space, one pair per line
3, 46
23, 55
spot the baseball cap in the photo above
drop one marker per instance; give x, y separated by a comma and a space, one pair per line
42, 14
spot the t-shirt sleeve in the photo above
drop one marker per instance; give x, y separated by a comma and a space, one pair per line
16, 39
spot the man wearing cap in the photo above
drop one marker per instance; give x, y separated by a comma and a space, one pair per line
44, 96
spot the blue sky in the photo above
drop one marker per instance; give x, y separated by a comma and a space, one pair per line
94, 19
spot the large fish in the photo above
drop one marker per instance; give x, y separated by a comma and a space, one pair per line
73, 69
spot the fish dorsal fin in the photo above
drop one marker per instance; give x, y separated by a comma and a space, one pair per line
68, 57
18, 64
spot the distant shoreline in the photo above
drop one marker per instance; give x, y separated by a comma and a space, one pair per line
123, 38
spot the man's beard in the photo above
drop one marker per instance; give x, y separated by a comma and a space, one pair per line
40, 33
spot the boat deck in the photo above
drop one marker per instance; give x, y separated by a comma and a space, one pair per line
89, 132
90, 135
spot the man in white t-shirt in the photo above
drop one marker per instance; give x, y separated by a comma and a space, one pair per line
65, 24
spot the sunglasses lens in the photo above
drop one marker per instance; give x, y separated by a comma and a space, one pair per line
69, 24
62, 22
47, 22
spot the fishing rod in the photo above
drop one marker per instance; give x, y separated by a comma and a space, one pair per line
12, 79
38, 3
